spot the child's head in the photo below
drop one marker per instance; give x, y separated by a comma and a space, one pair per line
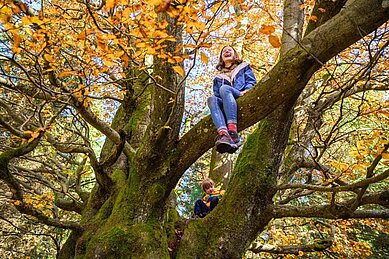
208, 185
228, 54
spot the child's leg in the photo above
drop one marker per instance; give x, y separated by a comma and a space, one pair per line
200, 209
229, 95
224, 143
214, 201
215, 104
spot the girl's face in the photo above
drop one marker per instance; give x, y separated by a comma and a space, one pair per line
228, 54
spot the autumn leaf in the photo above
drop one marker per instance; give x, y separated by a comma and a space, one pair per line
17, 40
164, 6
204, 58
26, 20
48, 58
66, 73
34, 135
266, 29
313, 18
179, 70
109, 4
274, 41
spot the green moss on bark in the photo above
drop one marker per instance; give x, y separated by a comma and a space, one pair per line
124, 241
195, 240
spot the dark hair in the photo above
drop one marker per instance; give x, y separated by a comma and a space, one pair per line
220, 65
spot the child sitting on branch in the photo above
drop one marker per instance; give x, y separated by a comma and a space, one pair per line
235, 78
209, 200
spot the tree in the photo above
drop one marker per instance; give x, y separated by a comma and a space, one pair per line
66, 65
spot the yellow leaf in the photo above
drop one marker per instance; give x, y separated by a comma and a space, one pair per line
155, 2
127, 12
179, 70
274, 41
48, 58
204, 58
385, 155
35, 19
26, 20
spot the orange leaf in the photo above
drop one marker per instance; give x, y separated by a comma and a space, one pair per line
179, 70
204, 58
66, 73
164, 6
266, 29
109, 4
35, 134
274, 41
321, 9
17, 40
313, 18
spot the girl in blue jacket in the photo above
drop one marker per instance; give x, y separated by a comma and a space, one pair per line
235, 78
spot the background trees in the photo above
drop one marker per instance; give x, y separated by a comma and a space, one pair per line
96, 134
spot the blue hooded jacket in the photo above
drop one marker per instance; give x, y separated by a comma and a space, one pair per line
242, 79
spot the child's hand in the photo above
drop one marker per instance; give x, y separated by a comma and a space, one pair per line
243, 92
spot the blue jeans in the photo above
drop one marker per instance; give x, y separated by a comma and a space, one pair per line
201, 209
224, 109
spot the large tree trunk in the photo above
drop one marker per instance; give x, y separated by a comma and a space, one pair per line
129, 219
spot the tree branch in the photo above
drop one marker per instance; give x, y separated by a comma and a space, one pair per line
6, 157
68, 205
26, 209
336, 211
349, 187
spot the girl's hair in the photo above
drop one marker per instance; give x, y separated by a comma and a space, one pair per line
220, 65
207, 183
